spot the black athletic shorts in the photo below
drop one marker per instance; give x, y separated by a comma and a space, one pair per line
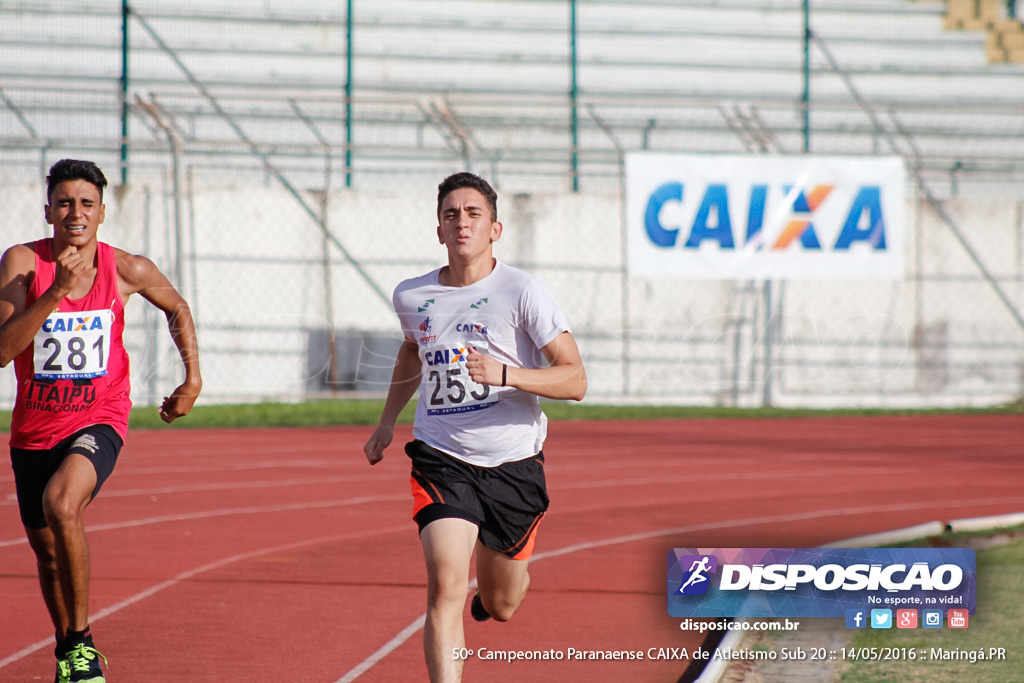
33, 469
506, 502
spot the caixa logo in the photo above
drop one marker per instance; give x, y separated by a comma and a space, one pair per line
70, 323
793, 216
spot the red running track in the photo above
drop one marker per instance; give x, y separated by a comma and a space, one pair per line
280, 555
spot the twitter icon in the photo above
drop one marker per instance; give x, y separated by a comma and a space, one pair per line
881, 618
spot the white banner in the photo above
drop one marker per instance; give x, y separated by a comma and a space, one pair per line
742, 217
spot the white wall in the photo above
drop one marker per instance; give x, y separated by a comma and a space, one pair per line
941, 336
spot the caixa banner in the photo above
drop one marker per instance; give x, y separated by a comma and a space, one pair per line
741, 217
817, 582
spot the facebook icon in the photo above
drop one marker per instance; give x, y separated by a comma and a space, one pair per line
855, 618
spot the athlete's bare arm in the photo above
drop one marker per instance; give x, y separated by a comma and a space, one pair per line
137, 274
405, 380
18, 322
564, 378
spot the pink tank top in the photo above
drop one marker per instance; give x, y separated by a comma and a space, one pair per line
75, 372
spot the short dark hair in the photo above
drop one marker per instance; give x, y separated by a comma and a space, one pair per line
75, 169
457, 181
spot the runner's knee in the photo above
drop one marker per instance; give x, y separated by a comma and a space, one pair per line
503, 602
60, 510
446, 588
501, 607
46, 557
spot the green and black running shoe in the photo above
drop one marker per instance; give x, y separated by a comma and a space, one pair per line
63, 670
84, 664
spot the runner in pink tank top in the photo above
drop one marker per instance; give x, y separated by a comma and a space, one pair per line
75, 373
61, 320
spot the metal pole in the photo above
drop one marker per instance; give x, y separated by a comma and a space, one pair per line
150, 322
177, 185
573, 101
193, 249
325, 252
124, 91
769, 309
348, 95
769, 334
805, 99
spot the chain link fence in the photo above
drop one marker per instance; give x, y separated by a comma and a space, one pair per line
281, 167
284, 314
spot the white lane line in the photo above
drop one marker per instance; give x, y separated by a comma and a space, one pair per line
207, 514
153, 590
11, 499
415, 626
224, 486
385, 650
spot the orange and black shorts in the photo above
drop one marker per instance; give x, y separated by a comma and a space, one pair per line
506, 502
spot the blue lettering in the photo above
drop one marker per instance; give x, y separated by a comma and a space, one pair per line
800, 203
716, 199
868, 199
661, 236
864, 223
808, 237
97, 323
755, 217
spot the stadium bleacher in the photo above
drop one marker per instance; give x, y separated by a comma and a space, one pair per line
493, 83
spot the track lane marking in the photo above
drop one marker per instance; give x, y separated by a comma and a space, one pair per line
183, 576
402, 636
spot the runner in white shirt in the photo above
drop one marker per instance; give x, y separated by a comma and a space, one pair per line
483, 341
509, 316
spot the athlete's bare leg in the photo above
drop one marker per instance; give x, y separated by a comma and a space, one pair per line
42, 543
64, 502
502, 581
448, 549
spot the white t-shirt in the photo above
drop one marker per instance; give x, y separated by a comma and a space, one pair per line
510, 315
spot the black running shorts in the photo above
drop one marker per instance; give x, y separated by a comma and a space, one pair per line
506, 502
33, 469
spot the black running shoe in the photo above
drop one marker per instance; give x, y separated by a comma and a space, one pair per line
476, 608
